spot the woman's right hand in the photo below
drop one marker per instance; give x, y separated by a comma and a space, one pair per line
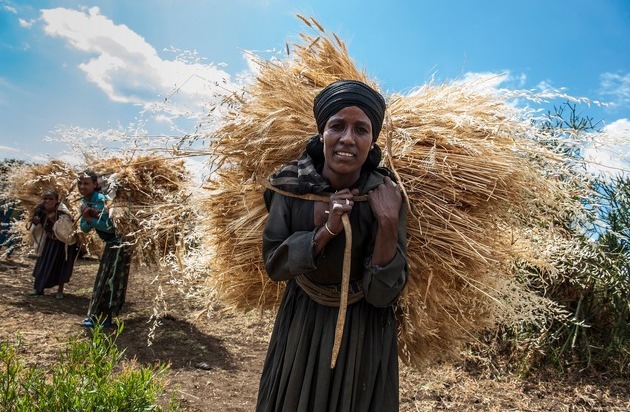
86, 213
339, 204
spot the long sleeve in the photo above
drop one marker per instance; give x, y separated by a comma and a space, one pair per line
85, 226
286, 254
102, 223
288, 250
382, 285
39, 212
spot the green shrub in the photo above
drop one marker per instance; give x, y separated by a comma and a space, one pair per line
90, 375
587, 268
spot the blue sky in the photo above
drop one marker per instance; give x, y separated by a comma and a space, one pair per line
69, 66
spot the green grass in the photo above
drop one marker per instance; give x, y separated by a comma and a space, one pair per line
90, 375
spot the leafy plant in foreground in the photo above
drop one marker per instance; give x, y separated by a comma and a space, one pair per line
90, 375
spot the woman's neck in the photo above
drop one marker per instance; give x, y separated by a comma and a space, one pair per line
339, 182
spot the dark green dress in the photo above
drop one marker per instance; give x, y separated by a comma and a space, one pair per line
110, 284
297, 374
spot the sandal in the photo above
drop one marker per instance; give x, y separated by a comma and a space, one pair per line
89, 323
35, 293
59, 295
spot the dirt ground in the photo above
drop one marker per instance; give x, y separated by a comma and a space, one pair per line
216, 356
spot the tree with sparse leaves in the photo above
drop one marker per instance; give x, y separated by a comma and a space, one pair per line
590, 279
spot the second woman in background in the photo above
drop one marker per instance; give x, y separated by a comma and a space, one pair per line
55, 264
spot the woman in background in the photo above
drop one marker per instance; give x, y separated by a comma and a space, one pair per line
110, 285
55, 264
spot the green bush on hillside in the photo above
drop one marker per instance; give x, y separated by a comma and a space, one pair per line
90, 375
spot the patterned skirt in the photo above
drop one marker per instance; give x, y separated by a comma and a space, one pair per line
110, 285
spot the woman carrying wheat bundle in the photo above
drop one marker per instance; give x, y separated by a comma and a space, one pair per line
333, 197
110, 284
55, 264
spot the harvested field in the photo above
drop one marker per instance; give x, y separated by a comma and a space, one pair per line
216, 357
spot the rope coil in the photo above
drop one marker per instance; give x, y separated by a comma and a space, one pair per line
345, 275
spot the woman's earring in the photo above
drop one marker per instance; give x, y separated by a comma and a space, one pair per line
315, 148
374, 157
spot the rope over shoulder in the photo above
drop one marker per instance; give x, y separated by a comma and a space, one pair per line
345, 274
308, 196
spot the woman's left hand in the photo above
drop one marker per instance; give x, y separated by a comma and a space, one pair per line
385, 201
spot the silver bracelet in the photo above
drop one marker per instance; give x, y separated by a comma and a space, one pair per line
330, 231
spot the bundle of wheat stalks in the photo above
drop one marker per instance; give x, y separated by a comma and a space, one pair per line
149, 204
464, 160
26, 184
149, 199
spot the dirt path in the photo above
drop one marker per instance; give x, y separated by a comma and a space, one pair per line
216, 356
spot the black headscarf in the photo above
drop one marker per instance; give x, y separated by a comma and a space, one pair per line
89, 173
303, 175
344, 93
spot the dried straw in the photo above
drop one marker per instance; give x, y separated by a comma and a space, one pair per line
26, 184
150, 203
464, 160
150, 208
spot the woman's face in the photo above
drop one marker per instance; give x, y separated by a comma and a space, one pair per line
86, 186
49, 202
347, 141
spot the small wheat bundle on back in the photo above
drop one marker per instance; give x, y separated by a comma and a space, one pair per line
26, 184
149, 206
149, 203
462, 158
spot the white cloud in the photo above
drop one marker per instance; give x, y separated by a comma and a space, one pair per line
10, 9
545, 85
617, 86
198, 168
8, 152
609, 152
26, 24
485, 81
129, 70
619, 131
